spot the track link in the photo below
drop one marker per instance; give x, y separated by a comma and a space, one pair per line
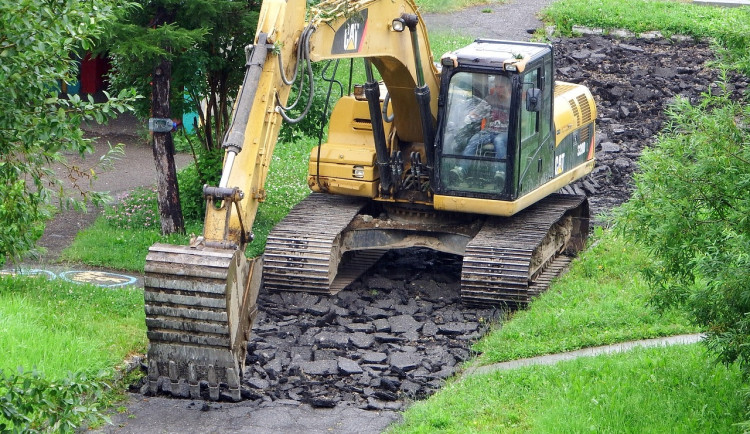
513, 259
304, 251
200, 304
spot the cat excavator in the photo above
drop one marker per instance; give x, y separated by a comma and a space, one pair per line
407, 163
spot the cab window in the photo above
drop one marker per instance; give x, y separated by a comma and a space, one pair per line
475, 137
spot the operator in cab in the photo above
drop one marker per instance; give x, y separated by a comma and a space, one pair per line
490, 116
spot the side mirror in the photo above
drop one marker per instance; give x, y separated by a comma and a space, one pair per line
533, 100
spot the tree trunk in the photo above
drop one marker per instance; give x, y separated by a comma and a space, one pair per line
170, 211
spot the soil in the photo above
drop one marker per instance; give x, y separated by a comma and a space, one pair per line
399, 331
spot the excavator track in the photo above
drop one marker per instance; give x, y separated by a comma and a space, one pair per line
200, 305
508, 261
514, 259
304, 251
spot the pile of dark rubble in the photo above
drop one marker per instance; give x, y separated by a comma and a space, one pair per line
633, 81
398, 332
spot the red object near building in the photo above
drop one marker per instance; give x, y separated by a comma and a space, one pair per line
93, 72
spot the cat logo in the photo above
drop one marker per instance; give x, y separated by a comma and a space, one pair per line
351, 32
559, 164
350, 36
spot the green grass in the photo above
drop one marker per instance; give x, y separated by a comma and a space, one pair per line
729, 27
442, 42
601, 300
285, 187
678, 389
58, 327
102, 245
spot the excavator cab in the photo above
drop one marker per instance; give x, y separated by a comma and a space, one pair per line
497, 115
476, 132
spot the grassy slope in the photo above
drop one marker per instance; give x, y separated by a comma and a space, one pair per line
677, 390
600, 301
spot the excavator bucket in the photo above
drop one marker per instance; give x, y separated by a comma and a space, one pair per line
200, 305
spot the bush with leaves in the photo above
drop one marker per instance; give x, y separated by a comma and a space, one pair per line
691, 209
136, 209
205, 170
31, 403
37, 125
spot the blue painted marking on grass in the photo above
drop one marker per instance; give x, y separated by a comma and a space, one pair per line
100, 278
103, 279
32, 272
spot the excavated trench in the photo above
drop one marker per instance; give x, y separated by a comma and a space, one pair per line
398, 332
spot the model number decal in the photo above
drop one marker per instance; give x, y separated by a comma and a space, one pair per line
581, 148
559, 163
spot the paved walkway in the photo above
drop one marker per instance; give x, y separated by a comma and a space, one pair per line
551, 359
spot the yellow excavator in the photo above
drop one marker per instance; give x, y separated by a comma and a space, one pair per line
463, 156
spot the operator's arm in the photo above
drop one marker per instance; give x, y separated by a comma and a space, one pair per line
481, 111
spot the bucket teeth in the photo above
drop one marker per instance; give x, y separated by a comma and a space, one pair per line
200, 305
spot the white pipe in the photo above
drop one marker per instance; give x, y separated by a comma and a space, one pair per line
227, 169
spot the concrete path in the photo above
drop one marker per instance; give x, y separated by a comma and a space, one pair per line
165, 415
723, 3
551, 359
513, 20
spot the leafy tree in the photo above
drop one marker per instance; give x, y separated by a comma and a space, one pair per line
203, 42
691, 209
38, 41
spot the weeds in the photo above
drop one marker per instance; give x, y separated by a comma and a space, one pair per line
31, 403
136, 209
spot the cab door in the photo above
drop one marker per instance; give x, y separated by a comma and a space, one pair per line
536, 156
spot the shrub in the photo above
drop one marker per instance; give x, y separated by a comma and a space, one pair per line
30, 403
136, 209
205, 170
691, 210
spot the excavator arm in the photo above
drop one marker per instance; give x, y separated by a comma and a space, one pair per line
200, 300
337, 30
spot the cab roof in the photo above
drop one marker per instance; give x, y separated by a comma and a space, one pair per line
494, 53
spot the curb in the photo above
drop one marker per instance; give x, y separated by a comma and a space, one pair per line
552, 359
